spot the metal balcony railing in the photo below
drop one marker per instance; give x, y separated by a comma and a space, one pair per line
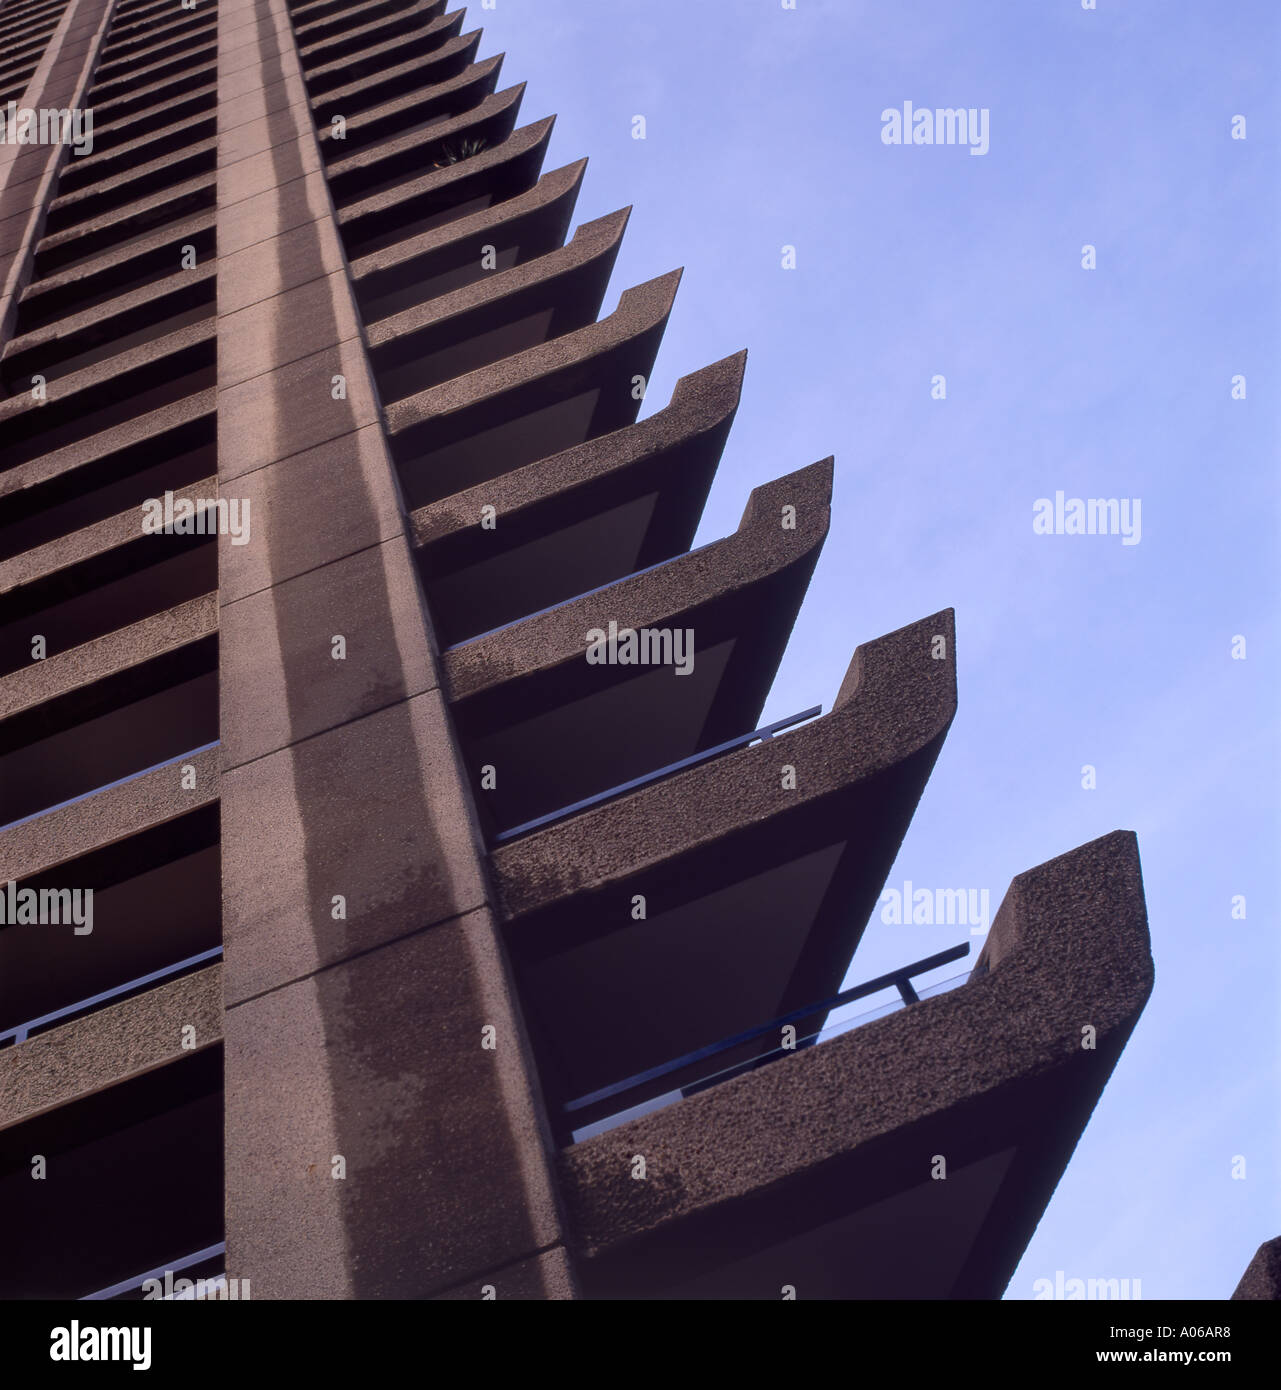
173, 1267
107, 786
564, 602
768, 731
900, 979
19, 1034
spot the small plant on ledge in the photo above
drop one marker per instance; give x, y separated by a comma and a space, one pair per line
451, 154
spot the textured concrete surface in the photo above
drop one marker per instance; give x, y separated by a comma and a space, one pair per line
370, 88
27, 172
538, 218
896, 703
381, 121
57, 557
372, 811
280, 683
355, 988
64, 672
506, 168
547, 1276
106, 453
674, 595
1262, 1278
108, 816
296, 527
580, 518
359, 173
111, 1045
379, 1060
703, 403
1069, 949
566, 286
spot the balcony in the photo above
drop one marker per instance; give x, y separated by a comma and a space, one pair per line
735, 890
908, 1158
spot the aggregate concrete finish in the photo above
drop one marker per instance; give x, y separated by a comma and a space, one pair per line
670, 596
585, 357
63, 672
27, 172
1069, 949
108, 816
374, 52
702, 405
490, 120
1262, 1278
88, 543
544, 1277
541, 214
425, 103
341, 351
87, 401
122, 263
895, 704
385, 1071
119, 224
572, 278
118, 441
361, 960
280, 683
452, 56
114, 1044
96, 328
296, 529
517, 160
296, 834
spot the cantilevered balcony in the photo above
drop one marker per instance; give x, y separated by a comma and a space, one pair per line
426, 106
96, 398
482, 425
434, 196
506, 313
109, 708
735, 891
107, 474
148, 850
469, 249
556, 726
580, 519
425, 44
387, 165
100, 579
132, 1181
908, 1158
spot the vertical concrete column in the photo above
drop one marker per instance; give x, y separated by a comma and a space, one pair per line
384, 1137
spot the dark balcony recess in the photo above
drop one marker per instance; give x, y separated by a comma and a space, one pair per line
742, 741
156, 901
747, 1049
134, 1180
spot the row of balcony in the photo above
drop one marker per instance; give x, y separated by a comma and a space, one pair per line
676, 885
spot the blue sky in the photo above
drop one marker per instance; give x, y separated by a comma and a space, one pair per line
1111, 128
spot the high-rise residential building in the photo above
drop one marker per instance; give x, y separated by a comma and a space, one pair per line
401, 898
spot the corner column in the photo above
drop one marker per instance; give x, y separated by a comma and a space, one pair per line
384, 1135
